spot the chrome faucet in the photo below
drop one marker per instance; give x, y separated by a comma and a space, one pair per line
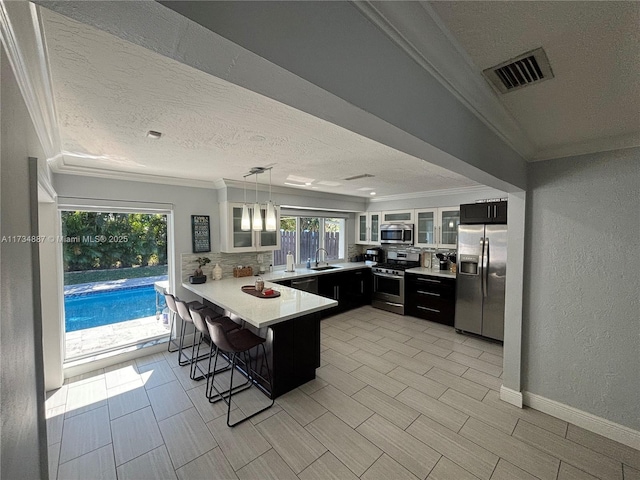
325, 254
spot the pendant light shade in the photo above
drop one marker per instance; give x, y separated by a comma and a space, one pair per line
257, 216
245, 223
271, 217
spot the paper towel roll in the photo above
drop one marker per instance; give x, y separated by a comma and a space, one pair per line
290, 263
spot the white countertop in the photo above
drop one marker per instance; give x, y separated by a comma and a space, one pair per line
301, 272
428, 271
260, 312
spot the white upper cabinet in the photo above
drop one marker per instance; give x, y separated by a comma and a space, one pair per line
368, 228
234, 240
404, 216
437, 227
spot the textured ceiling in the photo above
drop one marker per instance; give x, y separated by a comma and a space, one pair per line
109, 93
594, 100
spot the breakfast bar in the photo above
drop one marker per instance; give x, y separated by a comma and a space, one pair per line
290, 323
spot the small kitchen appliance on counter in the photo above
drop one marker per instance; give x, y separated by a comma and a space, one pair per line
374, 256
388, 279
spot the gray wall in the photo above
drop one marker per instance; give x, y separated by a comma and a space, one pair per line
24, 442
581, 333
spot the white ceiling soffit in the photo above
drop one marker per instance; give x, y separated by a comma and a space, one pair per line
592, 48
110, 92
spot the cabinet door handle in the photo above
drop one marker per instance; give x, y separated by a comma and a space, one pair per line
488, 211
429, 293
495, 211
428, 280
302, 282
361, 287
428, 309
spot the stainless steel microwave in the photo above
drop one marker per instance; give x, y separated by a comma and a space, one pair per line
398, 233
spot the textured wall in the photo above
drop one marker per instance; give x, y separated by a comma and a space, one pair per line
24, 443
581, 334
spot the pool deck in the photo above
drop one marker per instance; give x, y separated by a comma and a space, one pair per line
88, 341
82, 288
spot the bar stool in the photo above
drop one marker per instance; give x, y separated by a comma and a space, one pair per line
199, 318
235, 343
170, 300
183, 309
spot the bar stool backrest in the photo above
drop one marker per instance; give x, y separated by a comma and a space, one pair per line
171, 302
183, 311
219, 337
198, 321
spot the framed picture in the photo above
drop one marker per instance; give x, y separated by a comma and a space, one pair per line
200, 233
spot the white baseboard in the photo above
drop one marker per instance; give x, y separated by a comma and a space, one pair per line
588, 421
511, 396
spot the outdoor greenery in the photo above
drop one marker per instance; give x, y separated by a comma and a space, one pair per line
89, 276
99, 240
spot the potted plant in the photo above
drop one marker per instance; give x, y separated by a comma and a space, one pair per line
198, 276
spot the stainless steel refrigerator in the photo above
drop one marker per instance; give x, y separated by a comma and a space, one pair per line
482, 266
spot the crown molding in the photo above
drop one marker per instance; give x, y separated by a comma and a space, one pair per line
592, 146
478, 189
417, 29
23, 37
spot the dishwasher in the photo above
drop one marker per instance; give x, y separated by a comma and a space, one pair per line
307, 284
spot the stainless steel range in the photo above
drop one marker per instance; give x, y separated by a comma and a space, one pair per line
388, 279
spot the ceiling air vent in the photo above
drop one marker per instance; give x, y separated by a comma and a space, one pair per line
526, 69
357, 177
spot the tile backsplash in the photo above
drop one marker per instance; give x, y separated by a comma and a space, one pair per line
226, 261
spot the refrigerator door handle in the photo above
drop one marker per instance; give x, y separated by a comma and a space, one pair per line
485, 267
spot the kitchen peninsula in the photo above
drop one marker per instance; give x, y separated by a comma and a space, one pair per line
290, 323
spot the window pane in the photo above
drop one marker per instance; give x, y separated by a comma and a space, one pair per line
309, 238
333, 238
287, 240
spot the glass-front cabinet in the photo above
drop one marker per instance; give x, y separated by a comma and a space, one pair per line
405, 216
234, 239
437, 227
368, 228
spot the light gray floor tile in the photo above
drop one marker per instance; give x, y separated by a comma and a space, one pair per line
186, 437
154, 357
212, 466
327, 467
365, 334
156, 374
445, 334
443, 363
568, 451
55, 420
182, 374
457, 383
84, 433
462, 451
569, 472
421, 336
362, 322
343, 362
627, 455
339, 346
338, 333
126, 398
300, 406
53, 452
348, 446
57, 397
297, 447
484, 345
513, 450
168, 399
207, 410
418, 382
135, 434
481, 378
385, 468
382, 382
631, 473
447, 470
241, 444
344, 407
492, 358
153, 465
339, 379
268, 466
374, 361
391, 332
313, 386
410, 452
399, 347
483, 412
506, 471
393, 410
552, 424
416, 365
476, 363
84, 378
98, 465
444, 414
458, 347
369, 346
429, 347
88, 396
120, 373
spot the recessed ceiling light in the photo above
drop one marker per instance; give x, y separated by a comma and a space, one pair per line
295, 178
154, 135
372, 193
365, 189
328, 183
307, 183
294, 184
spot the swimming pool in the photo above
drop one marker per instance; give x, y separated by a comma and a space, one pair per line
96, 309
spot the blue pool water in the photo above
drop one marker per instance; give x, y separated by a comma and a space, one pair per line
96, 309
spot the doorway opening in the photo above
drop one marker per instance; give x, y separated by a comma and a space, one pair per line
115, 270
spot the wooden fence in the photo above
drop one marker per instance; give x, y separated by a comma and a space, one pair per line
309, 243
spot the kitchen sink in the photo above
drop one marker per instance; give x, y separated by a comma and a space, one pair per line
326, 267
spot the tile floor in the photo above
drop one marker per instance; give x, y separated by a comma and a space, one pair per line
395, 398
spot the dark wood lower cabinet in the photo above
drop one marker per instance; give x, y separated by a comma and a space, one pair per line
430, 297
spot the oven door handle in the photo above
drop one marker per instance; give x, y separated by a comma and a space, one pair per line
385, 275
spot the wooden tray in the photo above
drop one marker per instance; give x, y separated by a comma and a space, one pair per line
251, 290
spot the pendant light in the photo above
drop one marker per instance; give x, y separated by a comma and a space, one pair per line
271, 211
245, 223
257, 216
